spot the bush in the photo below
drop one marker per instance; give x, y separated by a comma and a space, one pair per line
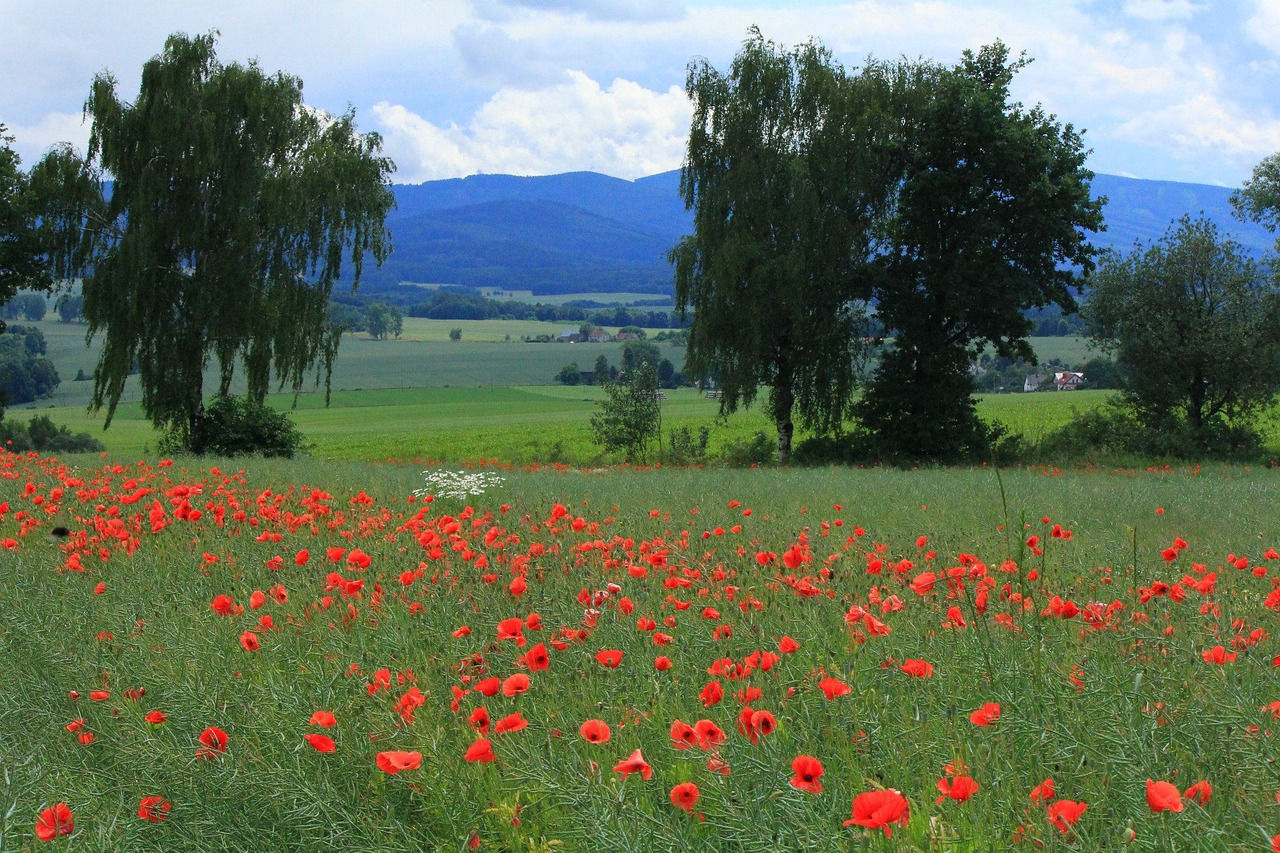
41, 434
1116, 430
759, 450
237, 426
684, 449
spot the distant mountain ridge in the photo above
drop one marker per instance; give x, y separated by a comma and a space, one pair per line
583, 232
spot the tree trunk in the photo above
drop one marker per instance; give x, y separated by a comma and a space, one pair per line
783, 401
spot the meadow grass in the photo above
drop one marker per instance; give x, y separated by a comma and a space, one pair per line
726, 563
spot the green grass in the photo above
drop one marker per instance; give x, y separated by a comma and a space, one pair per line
1147, 704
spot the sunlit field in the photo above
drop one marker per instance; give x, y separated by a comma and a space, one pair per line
309, 656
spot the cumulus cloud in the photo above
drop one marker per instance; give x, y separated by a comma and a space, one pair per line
603, 10
1264, 25
1161, 10
624, 130
33, 141
1207, 129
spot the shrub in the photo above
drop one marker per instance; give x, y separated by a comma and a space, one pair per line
236, 426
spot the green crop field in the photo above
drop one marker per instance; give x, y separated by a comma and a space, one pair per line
246, 654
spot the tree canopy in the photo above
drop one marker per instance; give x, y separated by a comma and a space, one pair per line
987, 213
22, 247
912, 187
1193, 319
780, 229
230, 214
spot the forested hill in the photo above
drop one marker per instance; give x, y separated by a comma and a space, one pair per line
583, 232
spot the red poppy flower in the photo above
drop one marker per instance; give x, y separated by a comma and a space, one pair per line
511, 723
1218, 655
958, 788
1064, 813
155, 718
682, 735
833, 687
594, 731
986, 715
324, 719
249, 641
879, 809
634, 763
481, 751
394, 761
1163, 797
685, 796
488, 686
1199, 793
154, 809
515, 684
215, 742
709, 734
711, 694
917, 668
662, 664
609, 657
1043, 792
479, 719
788, 646
54, 821
537, 658
321, 743
807, 770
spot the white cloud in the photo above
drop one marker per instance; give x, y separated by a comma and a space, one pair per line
1207, 129
1161, 10
605, 10
624, 130
1263, 26
33, 141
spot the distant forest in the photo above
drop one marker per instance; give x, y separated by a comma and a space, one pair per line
463, 303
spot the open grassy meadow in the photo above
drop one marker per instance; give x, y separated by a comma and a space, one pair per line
485, 397
282, 656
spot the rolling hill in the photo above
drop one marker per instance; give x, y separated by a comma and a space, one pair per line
584, 232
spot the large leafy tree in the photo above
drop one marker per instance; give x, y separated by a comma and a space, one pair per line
1193, 319
773, 176
1259, 198
22, 246
987, 216
231, 210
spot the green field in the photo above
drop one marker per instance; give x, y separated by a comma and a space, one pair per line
424, 397
246, 654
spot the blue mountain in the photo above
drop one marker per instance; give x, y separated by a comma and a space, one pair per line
584, 232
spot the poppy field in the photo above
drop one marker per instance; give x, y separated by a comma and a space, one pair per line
274, 656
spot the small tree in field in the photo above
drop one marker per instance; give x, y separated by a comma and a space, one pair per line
1193, 320
629, 418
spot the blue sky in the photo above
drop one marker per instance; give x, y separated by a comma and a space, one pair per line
1181, 90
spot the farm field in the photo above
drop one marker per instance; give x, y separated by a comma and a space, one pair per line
431, 399
306, 655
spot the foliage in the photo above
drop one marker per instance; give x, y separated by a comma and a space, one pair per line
989, 205
1259, 199
26, 374
1192, 320
23, 245
231, 210
916, 187
629, 417
684, 449
239, 426
70, 307
27, 306
455, 334
1114, 431
381, 320
780, 207
43, 435
569, 374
